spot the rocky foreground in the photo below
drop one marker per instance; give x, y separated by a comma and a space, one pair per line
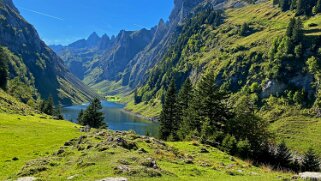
109, 155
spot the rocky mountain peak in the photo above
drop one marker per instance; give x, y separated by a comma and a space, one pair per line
105, 42
93, 39
105, 37
161, 23
182, 8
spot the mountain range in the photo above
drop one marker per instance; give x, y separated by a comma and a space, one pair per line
123, 62
45, 69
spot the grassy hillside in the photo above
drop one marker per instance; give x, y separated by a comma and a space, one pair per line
28, 137
9, 104
38, 146
239, 63
104, 154
299, 132
35, 145
235, 60
146, 109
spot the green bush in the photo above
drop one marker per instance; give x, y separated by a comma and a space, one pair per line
229, 144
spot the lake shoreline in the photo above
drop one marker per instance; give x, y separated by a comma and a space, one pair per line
153, 119
117, 118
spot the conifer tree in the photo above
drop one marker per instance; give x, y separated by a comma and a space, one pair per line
210, 102
168, 118
93, 116
185, 96
47, 106
58, 113
50, 106
3, 72
137, 99
293, 4
283, 155
207, 112
304, 7
297, 33
296, 166
310, 161
284, 5
289, 30
244, 29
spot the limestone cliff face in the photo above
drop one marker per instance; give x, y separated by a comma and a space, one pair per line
166, 35
127, 45
182, 8
51, 77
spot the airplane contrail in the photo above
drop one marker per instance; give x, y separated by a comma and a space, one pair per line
42, 14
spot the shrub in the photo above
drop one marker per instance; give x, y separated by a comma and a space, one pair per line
243, 148
229, 144
311, 161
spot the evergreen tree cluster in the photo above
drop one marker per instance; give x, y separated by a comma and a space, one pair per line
4, 72
310, 162
48, 107
286, 53
203, 113
92, 116
137, 98
301, 7
281, 157
244, 29
291, 54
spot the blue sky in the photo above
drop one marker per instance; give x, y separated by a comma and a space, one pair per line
64, 21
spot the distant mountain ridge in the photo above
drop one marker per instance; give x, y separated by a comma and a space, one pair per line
78, 54
51, 76
125, 60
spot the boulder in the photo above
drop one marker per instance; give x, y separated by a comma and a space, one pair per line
73, 177
315, 176
26, 179
85, 129
110, 139
60, 152
127, 145
204, 150
114, 179
68, 143
189, 161
151, 163
273, 87
121, 169
81, 139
